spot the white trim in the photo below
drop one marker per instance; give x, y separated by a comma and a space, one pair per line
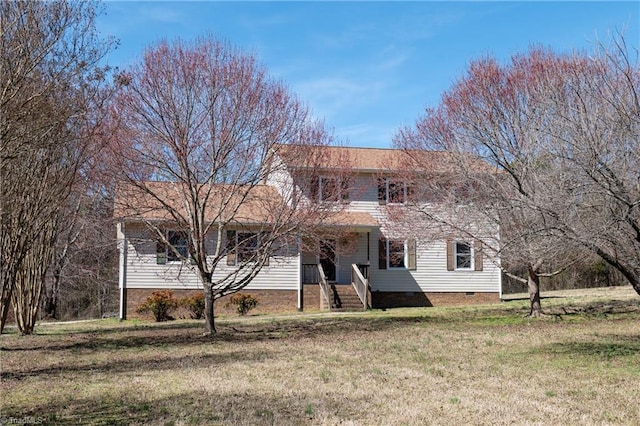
299, 275
123, 246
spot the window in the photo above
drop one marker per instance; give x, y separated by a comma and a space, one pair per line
392, 191
327, 188
243, 247
463, 256
395, 250
175, 251
397, 254
247, 245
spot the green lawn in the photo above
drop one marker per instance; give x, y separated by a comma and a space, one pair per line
480, 365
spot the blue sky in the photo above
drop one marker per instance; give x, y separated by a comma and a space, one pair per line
368, 68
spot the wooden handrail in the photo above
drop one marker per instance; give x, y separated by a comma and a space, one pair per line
324, 286
361, 285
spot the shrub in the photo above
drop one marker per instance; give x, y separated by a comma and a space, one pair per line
195, 305
160, 303
243, 302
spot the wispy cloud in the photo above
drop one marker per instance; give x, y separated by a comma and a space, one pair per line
331, 96
162, 14
366, 134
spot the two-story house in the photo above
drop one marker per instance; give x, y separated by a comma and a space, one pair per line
368, 264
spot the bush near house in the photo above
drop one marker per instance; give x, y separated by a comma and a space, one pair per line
243, 302
160, 304
194, 305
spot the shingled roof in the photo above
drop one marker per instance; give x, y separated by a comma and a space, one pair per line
153, 200
150, 200
372, 159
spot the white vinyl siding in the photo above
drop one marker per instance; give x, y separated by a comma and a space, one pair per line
356, 254
144, 272
431, 274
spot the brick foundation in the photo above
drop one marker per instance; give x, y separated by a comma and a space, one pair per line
269, 301
280, 301
410, 299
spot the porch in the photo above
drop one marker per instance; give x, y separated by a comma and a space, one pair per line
340, 263
334, 296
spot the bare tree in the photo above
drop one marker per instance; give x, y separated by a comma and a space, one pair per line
562, 133
594, 121
198, 131
493, 116
49, 95
82, 279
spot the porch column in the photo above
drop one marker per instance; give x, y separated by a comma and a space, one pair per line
122, 270
300, 280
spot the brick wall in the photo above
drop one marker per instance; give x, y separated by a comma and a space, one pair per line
409, 299
282, 301
269, 301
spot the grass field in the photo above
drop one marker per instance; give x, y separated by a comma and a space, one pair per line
454, 366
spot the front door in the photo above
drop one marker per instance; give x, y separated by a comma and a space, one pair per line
328, 258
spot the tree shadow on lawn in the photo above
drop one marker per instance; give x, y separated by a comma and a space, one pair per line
164, 343
136, 336
607, 347
190, 334
241, 408
162, 361
596, 309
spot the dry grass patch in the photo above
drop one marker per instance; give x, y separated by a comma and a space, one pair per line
480, 365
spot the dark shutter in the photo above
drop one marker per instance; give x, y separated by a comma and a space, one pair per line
314, 189
411, 249
382, 254
477, 255
450, 256
344, 190
231, 248
161, 253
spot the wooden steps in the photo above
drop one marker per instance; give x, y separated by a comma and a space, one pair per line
345, 298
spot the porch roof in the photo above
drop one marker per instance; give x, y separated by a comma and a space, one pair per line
352, 219
165, 201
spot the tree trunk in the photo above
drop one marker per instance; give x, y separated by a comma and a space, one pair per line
629, 272
50, 304
533, 284
208, 309
28, 293
5, 303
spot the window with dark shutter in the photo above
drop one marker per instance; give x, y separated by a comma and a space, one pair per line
463, 255
395, 253
179, 248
